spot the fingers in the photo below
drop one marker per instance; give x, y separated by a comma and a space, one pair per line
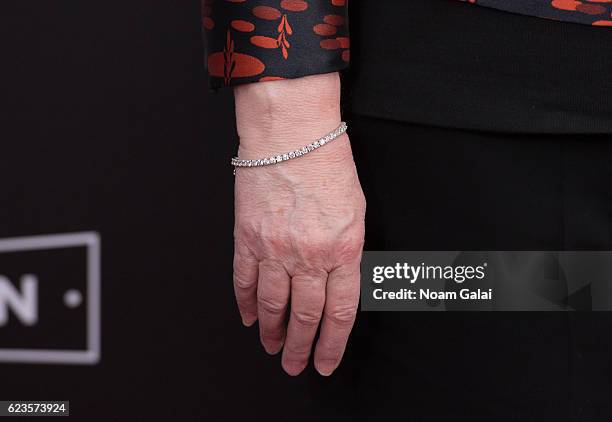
245, 284
272, 300
307, 302
342, 299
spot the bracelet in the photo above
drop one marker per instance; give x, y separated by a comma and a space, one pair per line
237, 162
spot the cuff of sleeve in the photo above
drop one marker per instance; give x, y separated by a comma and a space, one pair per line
274, 39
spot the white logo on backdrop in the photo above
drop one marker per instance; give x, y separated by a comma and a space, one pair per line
22, 299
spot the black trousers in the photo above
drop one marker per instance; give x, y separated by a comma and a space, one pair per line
446, 189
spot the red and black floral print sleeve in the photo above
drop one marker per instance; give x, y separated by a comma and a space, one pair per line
262, 40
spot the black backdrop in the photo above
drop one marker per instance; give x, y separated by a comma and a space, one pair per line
108, 126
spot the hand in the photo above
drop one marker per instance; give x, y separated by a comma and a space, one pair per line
299, 224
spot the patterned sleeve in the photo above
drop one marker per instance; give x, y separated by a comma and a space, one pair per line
264, 40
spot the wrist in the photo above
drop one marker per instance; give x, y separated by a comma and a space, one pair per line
328, 168
275, 116
319, 152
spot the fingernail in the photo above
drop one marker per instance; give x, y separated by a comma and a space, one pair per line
326, 367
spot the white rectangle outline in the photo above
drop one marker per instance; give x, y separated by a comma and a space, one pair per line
91, 355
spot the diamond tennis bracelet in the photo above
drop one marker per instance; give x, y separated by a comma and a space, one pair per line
237, 162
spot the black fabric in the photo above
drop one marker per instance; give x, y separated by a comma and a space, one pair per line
444, 189
448, 64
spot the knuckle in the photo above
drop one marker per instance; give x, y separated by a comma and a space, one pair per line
362, 203
349, 248
314, 255
271, 306
246, 230
307, 318
311, 279
272, 240
314, 247
259, 234
318, 248
242, 283
342, 316
315, 239
272, 269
